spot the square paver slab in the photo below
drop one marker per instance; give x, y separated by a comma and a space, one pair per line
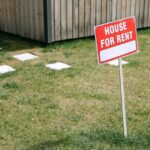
25, 56
58, 66
6, 69
115, 62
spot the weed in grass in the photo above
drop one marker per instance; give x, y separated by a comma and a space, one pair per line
5, 57
73, 117
52, 73
10, 85
144, 113
24, 101
68, 54
82, 142
4, 96
81, 94
134, 64
7, 75
51, 105
71, 72
47, 49
3, 54
39, 66
97, 96
48, 103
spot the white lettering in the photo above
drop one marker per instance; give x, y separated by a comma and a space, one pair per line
102, 43
107, 42
124, 37
107, 31
122, 26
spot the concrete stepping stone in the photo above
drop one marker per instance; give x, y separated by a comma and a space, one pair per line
25, 56
115, 62
58, 66
6, 69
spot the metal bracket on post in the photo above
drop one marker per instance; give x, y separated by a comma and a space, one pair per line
123, 99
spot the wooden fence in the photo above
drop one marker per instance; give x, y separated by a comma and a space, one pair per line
55, 20
76, 18
23, 17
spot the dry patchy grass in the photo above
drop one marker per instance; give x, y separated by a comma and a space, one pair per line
78, 108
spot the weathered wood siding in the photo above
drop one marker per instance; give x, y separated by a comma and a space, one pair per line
76, 18
55, 20
23, 17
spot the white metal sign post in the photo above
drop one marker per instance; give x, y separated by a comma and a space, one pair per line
116, 40
123, 99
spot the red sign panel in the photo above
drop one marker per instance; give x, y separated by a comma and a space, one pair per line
116, 39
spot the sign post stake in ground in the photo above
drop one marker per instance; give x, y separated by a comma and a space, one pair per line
123, 99
116, 40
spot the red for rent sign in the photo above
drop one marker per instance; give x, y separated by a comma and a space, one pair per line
116, 39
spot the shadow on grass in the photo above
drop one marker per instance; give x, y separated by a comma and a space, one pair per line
9, 42
88, 140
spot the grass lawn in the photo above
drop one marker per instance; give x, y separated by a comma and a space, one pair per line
77, 108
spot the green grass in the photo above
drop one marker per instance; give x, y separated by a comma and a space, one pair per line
74, 109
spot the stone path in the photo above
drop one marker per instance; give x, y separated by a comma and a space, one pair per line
28, 56
55, 66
